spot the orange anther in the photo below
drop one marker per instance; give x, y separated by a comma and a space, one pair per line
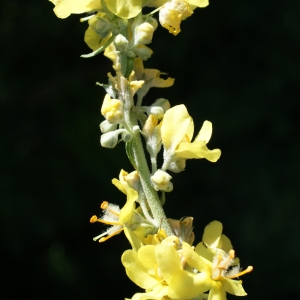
104, 205
93, 219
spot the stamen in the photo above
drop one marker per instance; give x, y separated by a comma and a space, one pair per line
86, 18
224, 265
111, 235
95, 219
248, 270
105, 206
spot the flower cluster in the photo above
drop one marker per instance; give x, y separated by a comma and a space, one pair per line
163, 260
177, 270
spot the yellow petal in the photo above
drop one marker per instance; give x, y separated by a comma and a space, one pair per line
119, 185
146, 256
91, 38
205, 252
198, 3
205, 132
129, 206
125, 9
212, 233
174, 126
136, 271
225, 243
168, 261
63, 8
162, 83
197, 150
193, 259
234, 287
186, 285
157, 293
133, 239
217, 292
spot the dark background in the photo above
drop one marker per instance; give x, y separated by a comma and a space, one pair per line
236, 63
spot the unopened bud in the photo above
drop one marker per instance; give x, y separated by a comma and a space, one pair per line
112, 109
121, 43
162, 102
133, 179
109, 139
157, 111
161, 181
105, 126
150, 125
144, 33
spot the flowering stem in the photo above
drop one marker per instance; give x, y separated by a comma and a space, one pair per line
150, 193
141, 163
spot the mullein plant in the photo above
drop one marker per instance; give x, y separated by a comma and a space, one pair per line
163, 260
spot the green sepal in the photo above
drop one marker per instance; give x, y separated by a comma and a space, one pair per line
129, 152
102, 48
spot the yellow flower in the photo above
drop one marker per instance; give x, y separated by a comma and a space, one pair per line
177, 131
172, 12
212, 240
125, 9
154, 268
118, 219
220, 266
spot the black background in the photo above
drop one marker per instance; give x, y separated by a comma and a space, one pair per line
236, 63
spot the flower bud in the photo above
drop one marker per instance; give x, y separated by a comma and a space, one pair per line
112, 109
161, 181
133, 179
157, 111
121, 43
150, 125
109, 139
164, 103
144, 33
105, 126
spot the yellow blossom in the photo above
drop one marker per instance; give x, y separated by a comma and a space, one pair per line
118, 219
172, 13
177, 131
154, 268
219, 266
